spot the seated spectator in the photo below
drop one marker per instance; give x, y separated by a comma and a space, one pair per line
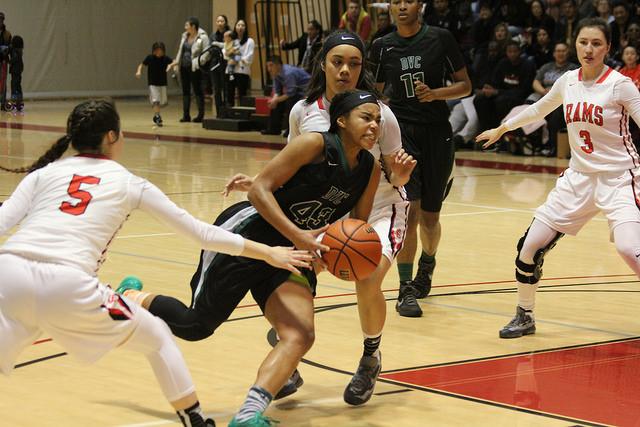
509, 86
567, 23
540, 51
631, 69
603, 10
513, 12
384, 25
622, 18
538, 18
501, 36
464, 118
482, 30
630, 38
289, 85
308, 44
442, 16
545, 78
357, 20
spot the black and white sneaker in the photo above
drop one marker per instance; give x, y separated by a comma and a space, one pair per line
407, 306
424, 275
157, 120
360, 388
524, 323
294, 382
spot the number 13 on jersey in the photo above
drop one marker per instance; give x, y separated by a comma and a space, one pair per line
408, 80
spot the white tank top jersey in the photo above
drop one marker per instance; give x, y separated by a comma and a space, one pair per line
315, 118
597, 115
70, 211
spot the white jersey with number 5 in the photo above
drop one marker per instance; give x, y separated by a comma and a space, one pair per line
70, 210
597, 115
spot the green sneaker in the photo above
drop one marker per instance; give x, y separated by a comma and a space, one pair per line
258, 420
129, 282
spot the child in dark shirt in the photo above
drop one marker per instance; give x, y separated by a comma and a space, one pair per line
16, 66
157, 76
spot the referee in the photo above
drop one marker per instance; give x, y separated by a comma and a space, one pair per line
419, 67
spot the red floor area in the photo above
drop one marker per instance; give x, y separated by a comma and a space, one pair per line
598, 383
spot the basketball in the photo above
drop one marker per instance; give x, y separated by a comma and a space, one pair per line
355, 249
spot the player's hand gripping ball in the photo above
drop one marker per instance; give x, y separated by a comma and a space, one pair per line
355, 249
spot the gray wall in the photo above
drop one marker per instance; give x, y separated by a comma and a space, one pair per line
92, 47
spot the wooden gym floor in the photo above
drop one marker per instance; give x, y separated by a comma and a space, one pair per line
448, 368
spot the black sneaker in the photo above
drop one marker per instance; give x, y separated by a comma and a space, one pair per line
185, 119
294, 382
424, 275
197, 119
524, 323
407, 306
157, 120
360, 388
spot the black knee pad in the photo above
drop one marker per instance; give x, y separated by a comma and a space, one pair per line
532, 273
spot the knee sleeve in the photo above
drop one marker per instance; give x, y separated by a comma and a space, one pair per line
153, 339
532, 273
627, 240
184, 322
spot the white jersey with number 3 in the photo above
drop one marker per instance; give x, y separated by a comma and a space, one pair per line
70, 210
597, 115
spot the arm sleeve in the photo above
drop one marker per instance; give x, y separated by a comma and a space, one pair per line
210, 237
626, 94
390, 140
540, 109
16, 207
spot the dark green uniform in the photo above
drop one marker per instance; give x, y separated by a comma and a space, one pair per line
431, 56
318, 194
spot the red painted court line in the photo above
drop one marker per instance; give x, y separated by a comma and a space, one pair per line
598, 383
43, 341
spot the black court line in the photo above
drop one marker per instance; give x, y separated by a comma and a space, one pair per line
41, 359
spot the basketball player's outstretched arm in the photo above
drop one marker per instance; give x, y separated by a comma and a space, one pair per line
305, 149
214, 238
534, 112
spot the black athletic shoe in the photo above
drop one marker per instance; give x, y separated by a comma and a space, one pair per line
294, 382
524, 323
185, 119
424, 275
157, 120
197, 119
360, 388
407, 306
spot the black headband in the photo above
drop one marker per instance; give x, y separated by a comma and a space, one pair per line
348, 103
343, 37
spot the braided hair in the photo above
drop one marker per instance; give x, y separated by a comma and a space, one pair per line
86, 127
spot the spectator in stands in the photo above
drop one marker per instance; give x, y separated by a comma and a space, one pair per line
538, 18
384, 25
622, 18
218, 64
193, 43
308, 44
540, 51
444, 17
567, 23
545, 78
5, 40
289, 86
513, 12
603, 10
483, 29
586, 8
16, 67
631, 69
357, 20
631, 38
464, 118
242, 72
510, 85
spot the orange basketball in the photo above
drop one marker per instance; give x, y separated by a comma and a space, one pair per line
355, 249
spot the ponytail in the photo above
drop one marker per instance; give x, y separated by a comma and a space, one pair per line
86, 127
54, 153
